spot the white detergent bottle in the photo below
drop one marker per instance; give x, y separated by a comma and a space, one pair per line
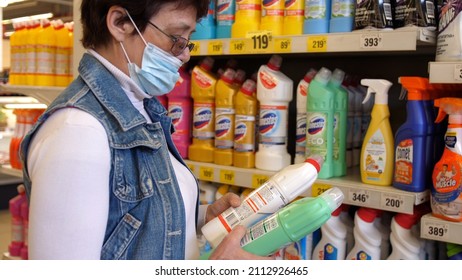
274, 92
448, 44
277, 192
349, 223
405, 246
367, 237
332, 245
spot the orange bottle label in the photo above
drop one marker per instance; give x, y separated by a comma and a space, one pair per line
403, 162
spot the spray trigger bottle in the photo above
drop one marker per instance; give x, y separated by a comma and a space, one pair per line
376, 161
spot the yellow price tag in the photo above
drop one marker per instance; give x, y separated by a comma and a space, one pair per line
206, 173
196, 49
227, 176
283, 45
237, 46
191, 166
215, 48
260, 42
317, 44
318, 189
258, 180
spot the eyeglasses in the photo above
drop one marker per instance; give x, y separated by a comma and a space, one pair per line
179, 43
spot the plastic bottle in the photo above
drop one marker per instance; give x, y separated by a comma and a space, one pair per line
226, 10
332, 245
272, 16
454, 251
70, 28
448, 47
248, 14
206, 27
317, 16
373, 14
17, 134
293, 17
163, 100
340, 122
350, 121
15, 63
180, 110
22, 38
203, 94
367, 237
207, 192
63, 53
225, 91
405, 246
415, 14
31, 52
224, 189
240, 78
357, 122
342, 16
17, 224
366, 110
46, 55
300, 129
382, 222
411, 149
290, 224
277, 192
320, 121
274, 92
244, 128
377, 152
25, 219
446, 192
349, 224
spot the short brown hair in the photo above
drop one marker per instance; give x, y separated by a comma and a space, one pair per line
93, 15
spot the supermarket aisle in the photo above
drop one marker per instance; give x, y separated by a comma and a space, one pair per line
5, 230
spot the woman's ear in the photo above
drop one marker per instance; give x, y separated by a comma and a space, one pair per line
119, 28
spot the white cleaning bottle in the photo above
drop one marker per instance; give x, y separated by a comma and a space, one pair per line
367, 237
405, 246
349, 223
332, 245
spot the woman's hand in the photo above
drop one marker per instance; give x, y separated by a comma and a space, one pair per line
226, 201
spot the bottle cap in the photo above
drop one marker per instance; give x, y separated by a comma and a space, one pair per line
367, 214
207, 63
337, 212
275, 62
337, 76
316, 161
248, 87
405, 220
228, 76
214, 231
323, 76
334, 198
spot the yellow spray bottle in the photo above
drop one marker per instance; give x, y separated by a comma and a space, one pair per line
377, 153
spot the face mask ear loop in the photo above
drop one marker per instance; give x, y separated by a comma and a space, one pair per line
125, 52
136, 27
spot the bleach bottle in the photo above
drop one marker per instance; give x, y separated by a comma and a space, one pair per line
46, 55
226, 10
446, 191
274, 91
293, 17
448, 44
203, 128
290, 224
342, 16
17, 222
411, 149
300, 130
404, 245
378, 147
317, 15
277, 192
206, 28
320, 121
180, 110
332, 245
248, 14
367, 237
272, 16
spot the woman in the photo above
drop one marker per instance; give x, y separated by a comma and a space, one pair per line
100, 168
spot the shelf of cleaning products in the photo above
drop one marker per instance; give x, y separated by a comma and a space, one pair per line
356, 193
440, 230
445, 72
357, 41
43, 94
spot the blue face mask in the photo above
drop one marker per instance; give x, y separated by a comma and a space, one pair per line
159, 70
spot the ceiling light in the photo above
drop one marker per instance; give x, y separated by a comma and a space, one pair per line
21, 19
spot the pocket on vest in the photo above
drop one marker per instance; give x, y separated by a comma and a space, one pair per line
120, 239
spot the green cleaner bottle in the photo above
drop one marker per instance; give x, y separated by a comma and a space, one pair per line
290, 224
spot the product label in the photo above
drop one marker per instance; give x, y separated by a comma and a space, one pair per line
404, 161
336, 142
267, 80
62, 61
370, 13
224, 128
375, 156
300, 136
294, 8
362, 256
342, 8
260, 229
244, 134
315, 9
175, 111
259, 204
273, 8
201, 79
203, 124
316, 134
45, 59
273, 125
328, 252
225, 12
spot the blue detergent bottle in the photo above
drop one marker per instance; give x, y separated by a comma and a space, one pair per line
411, 160
206, 28
317, 15
226, 11
342, 16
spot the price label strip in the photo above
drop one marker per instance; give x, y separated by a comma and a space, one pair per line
238, 46
260, 42
359, 196
392, 202
258, 180
458, 72
318, 188
206, 173
227, 176
196, 49
215, 48
317, 44
370, 41
283, 45
435, 230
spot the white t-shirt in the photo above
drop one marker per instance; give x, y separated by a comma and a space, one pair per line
68, 211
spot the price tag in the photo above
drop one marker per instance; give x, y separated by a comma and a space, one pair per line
196, 49
370, 41
191, 166
215, 48
206, 173
359, 196
237, 46
258, 180
317, 44
317, 189
458, 72
261, 42
227, 176
435, 230
391, 202
283, 45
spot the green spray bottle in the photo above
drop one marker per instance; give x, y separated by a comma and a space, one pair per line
290, 224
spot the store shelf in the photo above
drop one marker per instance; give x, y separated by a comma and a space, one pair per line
445, 72
44, 95
7, 256
356, 193
7, 169
440, 230
357, 41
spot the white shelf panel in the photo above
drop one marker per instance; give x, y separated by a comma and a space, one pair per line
440, 230
7, 169
445, 72
356, 193
44, 95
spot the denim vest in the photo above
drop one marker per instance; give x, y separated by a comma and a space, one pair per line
146, 211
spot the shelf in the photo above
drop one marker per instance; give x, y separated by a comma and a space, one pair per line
7, 256
356, 41
445, 72
356, 193
7, 169
440, 230
44, 95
